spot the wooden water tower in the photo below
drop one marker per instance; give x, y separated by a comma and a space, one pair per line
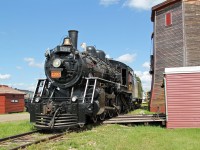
176, 42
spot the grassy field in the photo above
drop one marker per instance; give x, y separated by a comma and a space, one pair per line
114, 137
13, 128
118, 137
143, 110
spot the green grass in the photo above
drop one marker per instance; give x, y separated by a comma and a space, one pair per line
114, 137
118, 137
13, 128
143, 110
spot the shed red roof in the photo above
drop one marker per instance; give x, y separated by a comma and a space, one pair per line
161, 6
4, 89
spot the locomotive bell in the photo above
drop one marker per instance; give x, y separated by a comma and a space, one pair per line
67, 42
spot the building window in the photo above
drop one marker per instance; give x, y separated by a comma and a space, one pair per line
168, 19
14, 101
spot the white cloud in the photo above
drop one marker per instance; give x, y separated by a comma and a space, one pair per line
107, 56
32, 63
126, 58
108, 2
146, 65
4, 76
138, 4
23, 86
19, 67
142, 4
31, 88
145, 77
17, 85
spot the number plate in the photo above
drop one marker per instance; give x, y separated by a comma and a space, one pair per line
55, 73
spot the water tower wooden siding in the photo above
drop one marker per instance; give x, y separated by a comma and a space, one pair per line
176, 42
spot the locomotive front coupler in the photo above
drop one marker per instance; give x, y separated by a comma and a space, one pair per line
51, 107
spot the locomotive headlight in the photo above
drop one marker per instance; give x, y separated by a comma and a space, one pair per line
57, 63
74, 98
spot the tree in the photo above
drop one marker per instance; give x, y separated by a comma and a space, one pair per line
140, 89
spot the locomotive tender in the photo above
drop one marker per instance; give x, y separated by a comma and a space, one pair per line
81, 87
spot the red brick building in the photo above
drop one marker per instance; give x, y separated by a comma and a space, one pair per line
11, 100
176, 43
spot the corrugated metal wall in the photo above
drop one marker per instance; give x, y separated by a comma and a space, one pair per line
183, 100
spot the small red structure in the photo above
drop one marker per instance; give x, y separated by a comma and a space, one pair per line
182, 94
11, 100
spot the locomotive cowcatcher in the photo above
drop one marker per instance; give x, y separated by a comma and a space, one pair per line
81, 87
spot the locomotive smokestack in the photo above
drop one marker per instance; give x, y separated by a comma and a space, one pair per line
73, 34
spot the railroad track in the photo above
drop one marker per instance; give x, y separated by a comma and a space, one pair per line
24, 140
124, 119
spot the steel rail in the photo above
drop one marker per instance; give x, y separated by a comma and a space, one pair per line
16, 136
5, 141
38, 141
30, 140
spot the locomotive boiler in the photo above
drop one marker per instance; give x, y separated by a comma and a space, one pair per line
81, 87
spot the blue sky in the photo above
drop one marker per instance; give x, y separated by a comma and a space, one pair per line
122, 28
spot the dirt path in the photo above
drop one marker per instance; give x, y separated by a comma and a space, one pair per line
14, 117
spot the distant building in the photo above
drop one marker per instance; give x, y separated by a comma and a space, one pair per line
147, 96
11, 100
29, 94
27, 98
176, 42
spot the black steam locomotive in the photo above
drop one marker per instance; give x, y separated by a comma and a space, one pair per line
81, 87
